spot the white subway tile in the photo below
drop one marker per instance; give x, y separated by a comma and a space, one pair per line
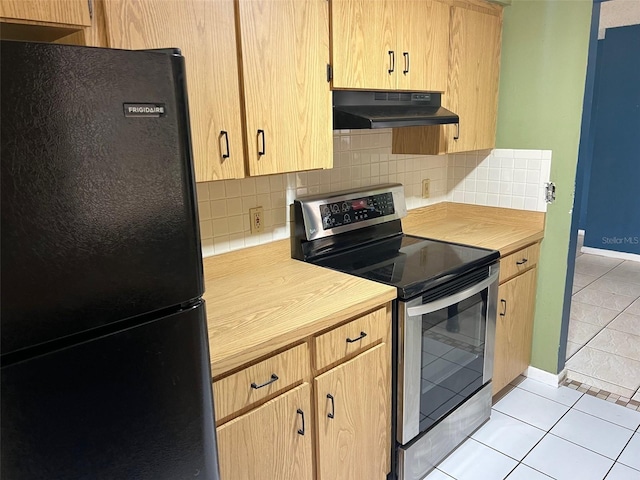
248, 186
482, 173
520, 175
519, 189
263, 185
232, 188
206, 229
204, 210
506, 188
503, 152
202, 191
276, 182
264, 200
505, 201
507, 163
534, 164
458, 196
493, 200
493, 187
533, 176
494, 174
217, 190
236, 241
531, 190
207, 247
234, 206
482, 186
506, 175
219, 208
469, 197
517, 202
481, 198
235, 224
530, 203
527, 153
220, 227
249, 202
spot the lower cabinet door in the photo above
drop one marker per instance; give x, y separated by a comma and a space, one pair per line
353, 403
272, 442
514, 328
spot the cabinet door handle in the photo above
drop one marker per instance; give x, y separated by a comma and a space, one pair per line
301, 430
406, 62
392, 61
226, 141
353, 340
274, 377
457, 135
504, 307
522, 262
333, 406
264, 148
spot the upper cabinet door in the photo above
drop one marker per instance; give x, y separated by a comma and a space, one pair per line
423, 51
363, 33
285, 52
204, 30
69, 12
474, 70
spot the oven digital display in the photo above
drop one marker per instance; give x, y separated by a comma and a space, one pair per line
357, 210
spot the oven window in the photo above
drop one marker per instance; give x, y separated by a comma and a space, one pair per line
453, 345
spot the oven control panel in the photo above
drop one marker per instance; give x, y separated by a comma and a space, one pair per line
346, 212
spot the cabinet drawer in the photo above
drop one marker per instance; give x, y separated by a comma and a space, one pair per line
259, 381
342, 341
519, 261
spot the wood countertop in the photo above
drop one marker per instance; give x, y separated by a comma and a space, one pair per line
259, 300
502, 229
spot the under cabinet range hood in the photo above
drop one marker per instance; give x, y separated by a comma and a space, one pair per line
367, 109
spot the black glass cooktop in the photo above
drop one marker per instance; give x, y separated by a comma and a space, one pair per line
412, 264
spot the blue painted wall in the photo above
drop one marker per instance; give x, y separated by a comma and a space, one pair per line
613, 216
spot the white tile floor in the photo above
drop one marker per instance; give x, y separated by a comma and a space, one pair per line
541, 432
603, 348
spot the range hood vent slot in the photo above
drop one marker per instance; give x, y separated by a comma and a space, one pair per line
368, 109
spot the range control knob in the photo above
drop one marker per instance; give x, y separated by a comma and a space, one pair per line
325, 210
345, 207
335, 208
347, 218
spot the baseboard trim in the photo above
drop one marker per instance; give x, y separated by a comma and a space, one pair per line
611, 253
545, 377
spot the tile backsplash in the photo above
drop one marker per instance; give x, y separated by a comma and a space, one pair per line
500, 178
511, 178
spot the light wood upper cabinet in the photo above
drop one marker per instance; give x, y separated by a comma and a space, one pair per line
362, 35
355, 442
204, 30
424, 48
474, 71
285, 52
389, 44
472, 86
67, 12
514, 329
269, 442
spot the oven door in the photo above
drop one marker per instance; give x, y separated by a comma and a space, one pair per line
445, 349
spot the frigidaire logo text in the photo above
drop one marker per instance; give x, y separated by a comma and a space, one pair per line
144, 110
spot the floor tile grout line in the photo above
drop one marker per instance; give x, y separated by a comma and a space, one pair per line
542, 396
587, 448
617, 354
599, 379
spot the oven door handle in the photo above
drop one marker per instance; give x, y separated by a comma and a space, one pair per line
452, 299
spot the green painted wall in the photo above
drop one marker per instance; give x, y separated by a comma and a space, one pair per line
542, 78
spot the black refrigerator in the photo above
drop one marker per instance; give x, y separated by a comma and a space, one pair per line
105, 369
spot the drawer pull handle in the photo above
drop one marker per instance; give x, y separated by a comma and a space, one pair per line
301, 430
406, 62
333, 406
392, 61
353, 340
274, 377
457, 135
226, 141
504, 307
264, 146
522, 262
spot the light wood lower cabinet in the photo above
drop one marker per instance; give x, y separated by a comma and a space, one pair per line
347, 414
271, 441
67, 12
514, 329
354, 418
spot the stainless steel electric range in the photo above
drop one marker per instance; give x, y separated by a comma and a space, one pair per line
444, 317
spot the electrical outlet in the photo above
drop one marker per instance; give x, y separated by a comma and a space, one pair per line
426, 187
256, 219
